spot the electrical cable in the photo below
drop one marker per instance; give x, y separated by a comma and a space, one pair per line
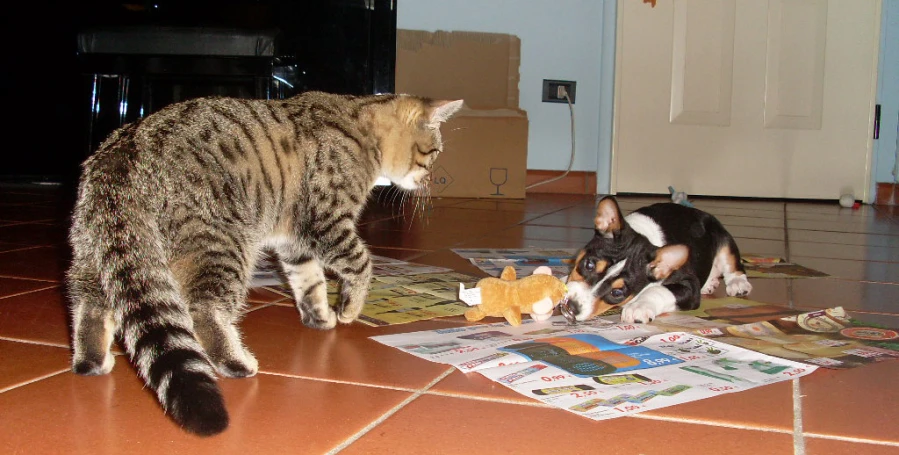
571, 161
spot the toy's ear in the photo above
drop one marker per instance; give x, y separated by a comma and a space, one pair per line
543, 270
508, 273
668, 259
608, 221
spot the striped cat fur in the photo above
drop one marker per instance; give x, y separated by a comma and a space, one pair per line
174, 210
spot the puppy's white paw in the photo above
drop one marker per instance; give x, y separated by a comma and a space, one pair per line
738, 285
710, 285
652, 301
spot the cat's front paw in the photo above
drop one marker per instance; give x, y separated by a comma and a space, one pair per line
649, 303
321, 317
348, 313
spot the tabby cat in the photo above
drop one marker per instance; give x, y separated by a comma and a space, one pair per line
173, 211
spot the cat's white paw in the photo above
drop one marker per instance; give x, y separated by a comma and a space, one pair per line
711, 285
652, 301
738, 285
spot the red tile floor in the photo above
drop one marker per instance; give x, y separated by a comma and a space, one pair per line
338, 391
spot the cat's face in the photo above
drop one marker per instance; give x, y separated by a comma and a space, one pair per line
411, 145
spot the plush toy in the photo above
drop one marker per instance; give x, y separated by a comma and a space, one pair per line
509, 297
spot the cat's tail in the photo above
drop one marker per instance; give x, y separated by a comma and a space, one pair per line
155, 323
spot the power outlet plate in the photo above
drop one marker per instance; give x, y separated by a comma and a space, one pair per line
551, 91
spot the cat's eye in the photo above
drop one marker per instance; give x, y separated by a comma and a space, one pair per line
432, 151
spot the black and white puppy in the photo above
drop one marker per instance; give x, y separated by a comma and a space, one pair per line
658, 259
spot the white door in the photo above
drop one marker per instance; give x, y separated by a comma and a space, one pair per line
746, 98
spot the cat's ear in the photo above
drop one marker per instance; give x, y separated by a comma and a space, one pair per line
441, 111
608, 221
668, 259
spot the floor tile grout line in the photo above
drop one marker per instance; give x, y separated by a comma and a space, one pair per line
833, 437
30, 292
275, 290
854, 260
710, 423
535, 404
38, 343
338, 381
798, 436
791, 304
349, 441
261, 306
860, 245
33, 380
23, 248
28, 278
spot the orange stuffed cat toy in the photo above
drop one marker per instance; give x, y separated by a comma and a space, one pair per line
509, 297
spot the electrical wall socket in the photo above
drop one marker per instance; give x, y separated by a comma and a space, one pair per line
551, 91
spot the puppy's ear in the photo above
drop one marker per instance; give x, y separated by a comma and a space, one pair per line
608, 221
668, 259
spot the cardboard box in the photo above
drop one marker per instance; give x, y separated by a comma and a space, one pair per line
485, 144
484, 155
481, 68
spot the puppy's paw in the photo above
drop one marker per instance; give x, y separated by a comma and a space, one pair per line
710, 286
738, 286
649, 303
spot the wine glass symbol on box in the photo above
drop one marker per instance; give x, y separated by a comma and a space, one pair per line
499, 176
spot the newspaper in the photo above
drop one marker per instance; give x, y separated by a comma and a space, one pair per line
600, 370
776, 267
400, 299
268, 272
828, 337
525, 260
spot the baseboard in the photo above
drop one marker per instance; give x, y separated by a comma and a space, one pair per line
576, 182
887, 194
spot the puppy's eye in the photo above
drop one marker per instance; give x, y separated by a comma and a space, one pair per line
617, 293
589, 265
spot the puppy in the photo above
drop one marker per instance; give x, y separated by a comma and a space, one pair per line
656, 260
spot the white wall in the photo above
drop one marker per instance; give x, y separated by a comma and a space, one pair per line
560, 39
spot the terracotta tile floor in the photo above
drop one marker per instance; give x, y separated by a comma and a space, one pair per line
338, 391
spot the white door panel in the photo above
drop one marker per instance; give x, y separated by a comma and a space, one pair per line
745, 97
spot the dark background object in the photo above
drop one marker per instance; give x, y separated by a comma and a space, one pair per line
341, 46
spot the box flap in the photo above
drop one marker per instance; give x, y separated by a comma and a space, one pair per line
481, 68
469, 112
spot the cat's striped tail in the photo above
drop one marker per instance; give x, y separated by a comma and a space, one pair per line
155, 323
